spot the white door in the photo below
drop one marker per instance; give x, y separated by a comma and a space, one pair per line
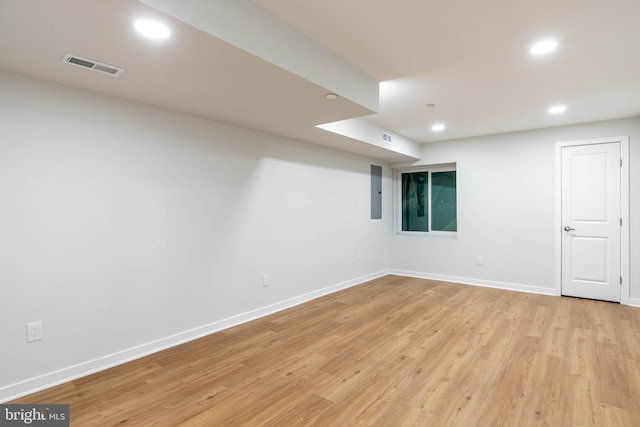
591, 221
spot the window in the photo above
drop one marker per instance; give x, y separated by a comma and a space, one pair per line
427, 200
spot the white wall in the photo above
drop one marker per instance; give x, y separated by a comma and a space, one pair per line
506, 210
127, 228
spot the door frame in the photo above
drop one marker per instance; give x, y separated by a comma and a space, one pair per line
624, 210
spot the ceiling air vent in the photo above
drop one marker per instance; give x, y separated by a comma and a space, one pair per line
92, 65
386, 137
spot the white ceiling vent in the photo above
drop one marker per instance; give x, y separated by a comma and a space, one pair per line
92, 65
386, 137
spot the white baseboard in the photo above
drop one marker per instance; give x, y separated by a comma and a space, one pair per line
633, 302
476, 282
51, 379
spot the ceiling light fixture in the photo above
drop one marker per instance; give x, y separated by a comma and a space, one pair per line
439, 127
331, 96
543, 47
152, 29
431, 105
557, 109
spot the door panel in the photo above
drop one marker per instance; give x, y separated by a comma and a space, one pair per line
588, 187
591, 221
594, 249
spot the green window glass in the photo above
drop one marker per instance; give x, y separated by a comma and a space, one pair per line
414, 201
443, 201
428, 201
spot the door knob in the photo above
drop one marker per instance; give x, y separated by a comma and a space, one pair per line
567, 228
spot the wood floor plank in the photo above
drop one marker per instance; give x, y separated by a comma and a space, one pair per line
394, 351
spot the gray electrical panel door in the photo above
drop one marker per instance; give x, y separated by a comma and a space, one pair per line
376, 192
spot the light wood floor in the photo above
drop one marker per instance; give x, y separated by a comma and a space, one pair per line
393, 352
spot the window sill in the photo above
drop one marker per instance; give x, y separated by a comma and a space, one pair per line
437, 235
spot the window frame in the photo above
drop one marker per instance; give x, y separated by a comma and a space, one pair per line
430, 169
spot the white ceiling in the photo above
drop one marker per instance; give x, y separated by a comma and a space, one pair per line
468, 57
471, 59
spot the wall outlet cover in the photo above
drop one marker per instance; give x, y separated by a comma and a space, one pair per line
34, 331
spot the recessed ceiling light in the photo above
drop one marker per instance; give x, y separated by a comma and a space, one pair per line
152, 29
439, 127
331, 96
557, 109
543, 47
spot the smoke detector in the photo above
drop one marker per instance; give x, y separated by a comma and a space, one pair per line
93, 65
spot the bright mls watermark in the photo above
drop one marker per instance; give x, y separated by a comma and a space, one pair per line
34, 415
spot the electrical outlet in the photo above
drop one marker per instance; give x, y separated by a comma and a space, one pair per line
265, 280
480, 260
34, 331
360, 256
